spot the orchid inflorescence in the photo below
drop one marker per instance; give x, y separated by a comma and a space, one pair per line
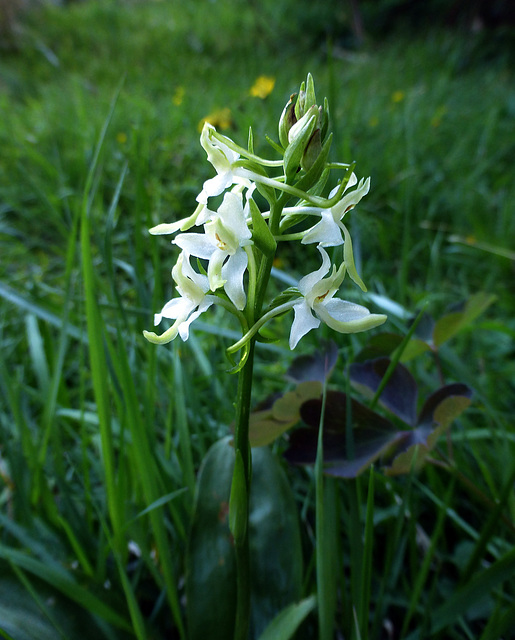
235, 252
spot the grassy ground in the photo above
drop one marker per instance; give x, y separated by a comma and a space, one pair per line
101, 434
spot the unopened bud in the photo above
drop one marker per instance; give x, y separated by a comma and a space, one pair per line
287, 120
312, 151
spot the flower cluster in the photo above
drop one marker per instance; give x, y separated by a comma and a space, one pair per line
236, 246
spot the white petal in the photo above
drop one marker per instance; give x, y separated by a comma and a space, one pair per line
347, 317
308, 282
303, 322
233, 216
214, 269
175, 308
351, 183
199, 279
215, 186
349, 201
195, 244
232, 272
326, 232
184, 327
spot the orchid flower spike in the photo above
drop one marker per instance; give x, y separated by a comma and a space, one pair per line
193, 288
318, 297
222, 245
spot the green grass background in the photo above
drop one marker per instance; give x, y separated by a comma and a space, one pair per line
101, 434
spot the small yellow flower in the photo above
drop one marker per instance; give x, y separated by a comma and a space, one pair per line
178, 96
398, 96
221, 119
374, 121
121, 137
262, 87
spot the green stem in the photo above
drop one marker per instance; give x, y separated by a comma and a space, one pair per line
240, 489
242, 448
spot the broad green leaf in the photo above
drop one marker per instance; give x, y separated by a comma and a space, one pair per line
274, 541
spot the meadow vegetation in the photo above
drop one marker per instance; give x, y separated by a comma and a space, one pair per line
102, 434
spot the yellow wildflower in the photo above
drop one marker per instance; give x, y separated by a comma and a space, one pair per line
178, 96
220, 119
398, 96
262, 87
121, 137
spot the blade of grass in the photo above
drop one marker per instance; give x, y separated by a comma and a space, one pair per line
471, 594
368, 545
422, 575
63, 582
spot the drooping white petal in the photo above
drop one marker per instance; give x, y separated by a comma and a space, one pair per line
198, 217
184, 327
232, 273
303, 322
173, 309
347, 317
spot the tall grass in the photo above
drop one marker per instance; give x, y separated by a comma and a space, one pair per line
102, 435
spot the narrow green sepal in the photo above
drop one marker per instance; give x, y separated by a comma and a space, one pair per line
261, 234
311, 98
274, 145
238, 514
251, 141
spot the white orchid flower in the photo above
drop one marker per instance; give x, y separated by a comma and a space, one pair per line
222, 245
222, 158
318, 297
193, 301
328, 232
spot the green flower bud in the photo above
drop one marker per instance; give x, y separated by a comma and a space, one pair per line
312, 150
298, 138
303, 128
287, 120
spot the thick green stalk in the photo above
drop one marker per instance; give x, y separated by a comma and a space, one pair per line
240, 489
240, 492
